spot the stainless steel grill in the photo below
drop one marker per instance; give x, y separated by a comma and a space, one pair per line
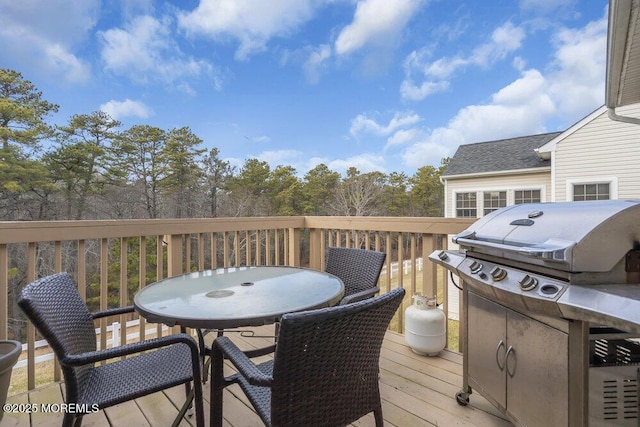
551, 292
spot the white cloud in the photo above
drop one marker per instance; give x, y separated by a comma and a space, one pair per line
411, 92
145, 51
280, 157
126, 108
435, 75
544, 6
403, 137
316, 62
572, 87
579, 67
263, 139
364, 163
375, 22
43, 35
525, 102
249, 22
363, 124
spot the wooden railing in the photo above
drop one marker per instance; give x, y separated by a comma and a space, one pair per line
111, 260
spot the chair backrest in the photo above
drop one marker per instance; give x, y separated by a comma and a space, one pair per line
326, 364
55, 308
359, 269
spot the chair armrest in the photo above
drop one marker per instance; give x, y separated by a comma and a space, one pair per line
359, 296
241, 361
112, 312
257, 352
132, 348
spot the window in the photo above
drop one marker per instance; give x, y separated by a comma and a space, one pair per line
526, 196
494, 200
591, 192
466, 205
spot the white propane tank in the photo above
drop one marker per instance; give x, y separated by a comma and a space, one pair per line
425, 330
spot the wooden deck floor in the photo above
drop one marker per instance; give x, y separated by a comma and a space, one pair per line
416, 391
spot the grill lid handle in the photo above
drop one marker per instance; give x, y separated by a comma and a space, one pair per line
556, 250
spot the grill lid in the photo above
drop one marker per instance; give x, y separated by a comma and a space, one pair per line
571, 236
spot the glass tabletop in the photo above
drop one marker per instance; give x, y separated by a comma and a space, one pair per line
236, 297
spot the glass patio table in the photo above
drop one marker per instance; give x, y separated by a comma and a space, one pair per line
236, 297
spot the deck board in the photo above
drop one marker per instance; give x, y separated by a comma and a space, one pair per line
416, 391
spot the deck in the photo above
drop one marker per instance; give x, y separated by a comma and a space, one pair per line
416, 391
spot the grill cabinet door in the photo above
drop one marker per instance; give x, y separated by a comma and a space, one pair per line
486, 348
537, 372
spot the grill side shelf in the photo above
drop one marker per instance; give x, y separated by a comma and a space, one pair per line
612, 305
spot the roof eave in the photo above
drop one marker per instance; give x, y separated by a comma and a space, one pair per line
498, 173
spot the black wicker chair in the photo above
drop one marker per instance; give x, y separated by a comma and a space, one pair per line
359, 270
54, 306
325, 369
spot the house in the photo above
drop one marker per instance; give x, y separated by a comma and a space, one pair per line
596, 158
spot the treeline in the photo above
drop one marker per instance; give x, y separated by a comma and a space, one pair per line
93, 168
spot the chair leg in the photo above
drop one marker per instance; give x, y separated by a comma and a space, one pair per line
197, 394
377, 414
216, 386
203, 353
71, 420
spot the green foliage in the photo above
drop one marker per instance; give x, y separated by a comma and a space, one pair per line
318, 187
22, 127
22, 111
216, 174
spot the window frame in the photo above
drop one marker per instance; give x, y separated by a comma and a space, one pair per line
611, 181
456, 207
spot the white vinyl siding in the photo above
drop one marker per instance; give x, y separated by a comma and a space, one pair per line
602, 151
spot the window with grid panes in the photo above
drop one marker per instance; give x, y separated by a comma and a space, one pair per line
583, 192
526, 196
466, 205
494, 200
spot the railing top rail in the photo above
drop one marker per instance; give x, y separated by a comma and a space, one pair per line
426, 225
39, 231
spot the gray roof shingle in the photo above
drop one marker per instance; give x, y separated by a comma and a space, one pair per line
501, 155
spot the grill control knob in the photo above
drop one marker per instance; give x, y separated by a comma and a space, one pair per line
475, 267
443, 255
498, 273
528, 283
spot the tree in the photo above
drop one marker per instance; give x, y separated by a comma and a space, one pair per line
359, 194
285, 191
396, 197
318, 187
427, 192
216, 174
182, 157
84, 159
140, 152
22, 127
248, 189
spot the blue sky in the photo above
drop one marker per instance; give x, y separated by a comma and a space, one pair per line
381, 85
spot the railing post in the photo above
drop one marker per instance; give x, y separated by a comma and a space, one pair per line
174, 255
293, 257
315, 249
